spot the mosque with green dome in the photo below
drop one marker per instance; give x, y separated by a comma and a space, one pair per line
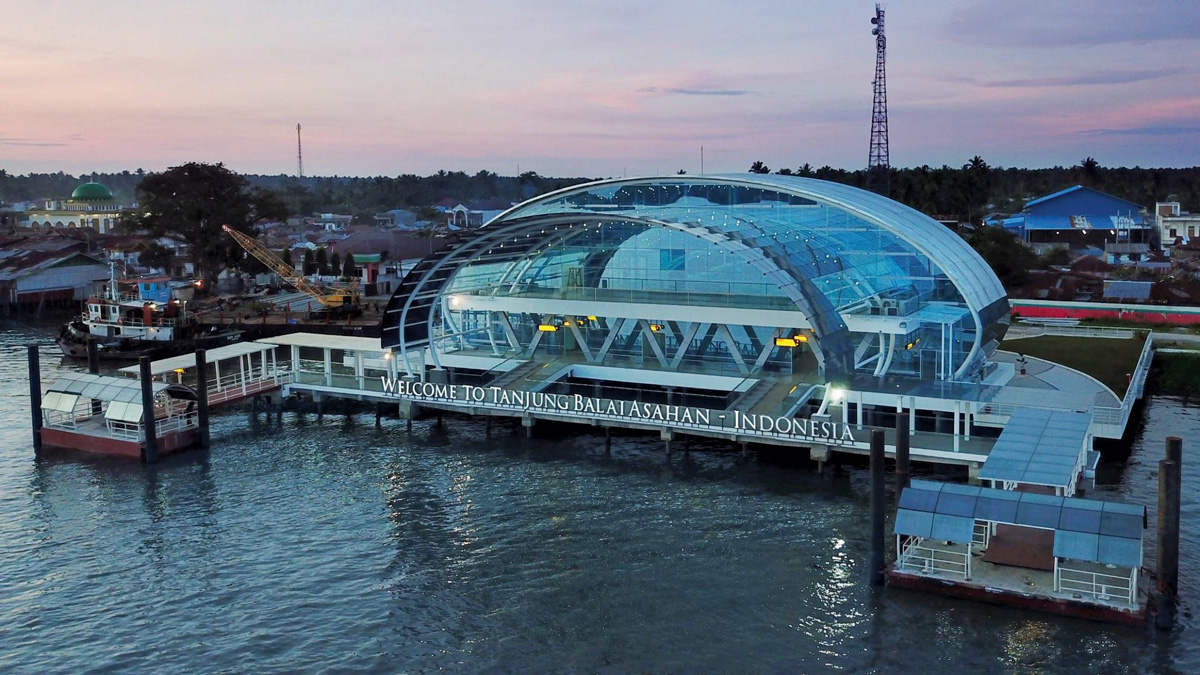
90, 206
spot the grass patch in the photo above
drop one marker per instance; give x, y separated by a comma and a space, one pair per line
1105, 359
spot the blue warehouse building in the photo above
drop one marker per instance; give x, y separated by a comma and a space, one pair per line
1080, 217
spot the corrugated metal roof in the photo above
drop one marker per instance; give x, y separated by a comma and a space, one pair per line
1135, 290
1039, 447
1087, 530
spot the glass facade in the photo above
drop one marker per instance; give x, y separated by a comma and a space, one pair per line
742, 274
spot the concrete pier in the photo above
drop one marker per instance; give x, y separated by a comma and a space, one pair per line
35, 396
1170, 478
150, 455
902, 449
877, 508
202, 396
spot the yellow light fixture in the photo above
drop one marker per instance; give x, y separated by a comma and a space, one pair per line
800, 337
785, 342
179, 370
591, 318
655, 327
547, 328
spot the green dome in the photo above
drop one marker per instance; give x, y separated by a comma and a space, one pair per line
92, 192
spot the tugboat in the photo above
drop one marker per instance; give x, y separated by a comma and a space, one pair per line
129, 325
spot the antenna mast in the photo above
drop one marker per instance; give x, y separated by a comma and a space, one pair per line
299, 154
878, 164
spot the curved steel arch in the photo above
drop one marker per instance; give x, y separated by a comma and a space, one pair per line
831, 345
972, 277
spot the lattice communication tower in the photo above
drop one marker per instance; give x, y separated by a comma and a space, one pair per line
878, 164
299, 154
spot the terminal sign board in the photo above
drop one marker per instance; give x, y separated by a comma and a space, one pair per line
576, 405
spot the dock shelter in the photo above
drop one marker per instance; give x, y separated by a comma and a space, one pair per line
1097, 545
1041, 448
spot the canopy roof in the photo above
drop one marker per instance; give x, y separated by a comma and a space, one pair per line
187, 361
123, 395
1039, 447
1087, 530
344, 342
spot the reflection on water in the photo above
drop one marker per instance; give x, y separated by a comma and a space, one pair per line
337, 546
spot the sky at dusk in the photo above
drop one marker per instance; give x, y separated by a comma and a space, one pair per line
592, 88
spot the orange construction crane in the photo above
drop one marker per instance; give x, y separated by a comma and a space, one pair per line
340, 298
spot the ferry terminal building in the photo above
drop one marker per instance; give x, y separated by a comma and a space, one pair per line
769, 301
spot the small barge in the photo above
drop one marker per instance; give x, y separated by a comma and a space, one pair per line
104, 415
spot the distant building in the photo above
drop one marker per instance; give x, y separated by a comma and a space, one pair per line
397, 218
47, 278
1081, 217
91, 206
1175, 226
475, 213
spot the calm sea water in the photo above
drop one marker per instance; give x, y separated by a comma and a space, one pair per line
338, 547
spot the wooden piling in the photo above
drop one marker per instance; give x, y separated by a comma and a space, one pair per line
902, 451
35, 396
378, 415
202, 396
877, 506
150, 455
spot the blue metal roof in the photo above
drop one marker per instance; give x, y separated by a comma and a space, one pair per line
1077, 188
1087, 530
1039, 447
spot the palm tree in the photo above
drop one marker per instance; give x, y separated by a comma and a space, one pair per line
759, 167
1090, 170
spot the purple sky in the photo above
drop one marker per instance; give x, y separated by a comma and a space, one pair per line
592, 88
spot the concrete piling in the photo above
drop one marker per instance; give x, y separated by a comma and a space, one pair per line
150, 455
202, 396
877, 507
902, 451
35, 396
378, 415
1170, 475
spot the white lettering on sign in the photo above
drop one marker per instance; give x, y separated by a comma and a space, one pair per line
820, 431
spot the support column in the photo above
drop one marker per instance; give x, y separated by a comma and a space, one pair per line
1169, 484
93, 356
35, 396
902, 450
202, 396
877, 506
148, 421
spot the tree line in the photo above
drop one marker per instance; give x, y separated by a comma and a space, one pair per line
967, 193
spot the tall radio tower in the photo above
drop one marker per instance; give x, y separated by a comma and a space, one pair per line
299, 154
878, 164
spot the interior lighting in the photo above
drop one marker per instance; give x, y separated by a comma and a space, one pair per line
785, 342
547, 328
837, 394
800, 337
655, 327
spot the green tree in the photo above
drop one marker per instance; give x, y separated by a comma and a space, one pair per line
192, 201
322, 260
1009, 258
335, 263
286, 256
348, 269
759, 167
156, 256
310, 264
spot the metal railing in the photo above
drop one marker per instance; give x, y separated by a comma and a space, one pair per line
1096, 584
916, 557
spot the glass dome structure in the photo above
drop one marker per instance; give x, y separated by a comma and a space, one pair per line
743, 274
